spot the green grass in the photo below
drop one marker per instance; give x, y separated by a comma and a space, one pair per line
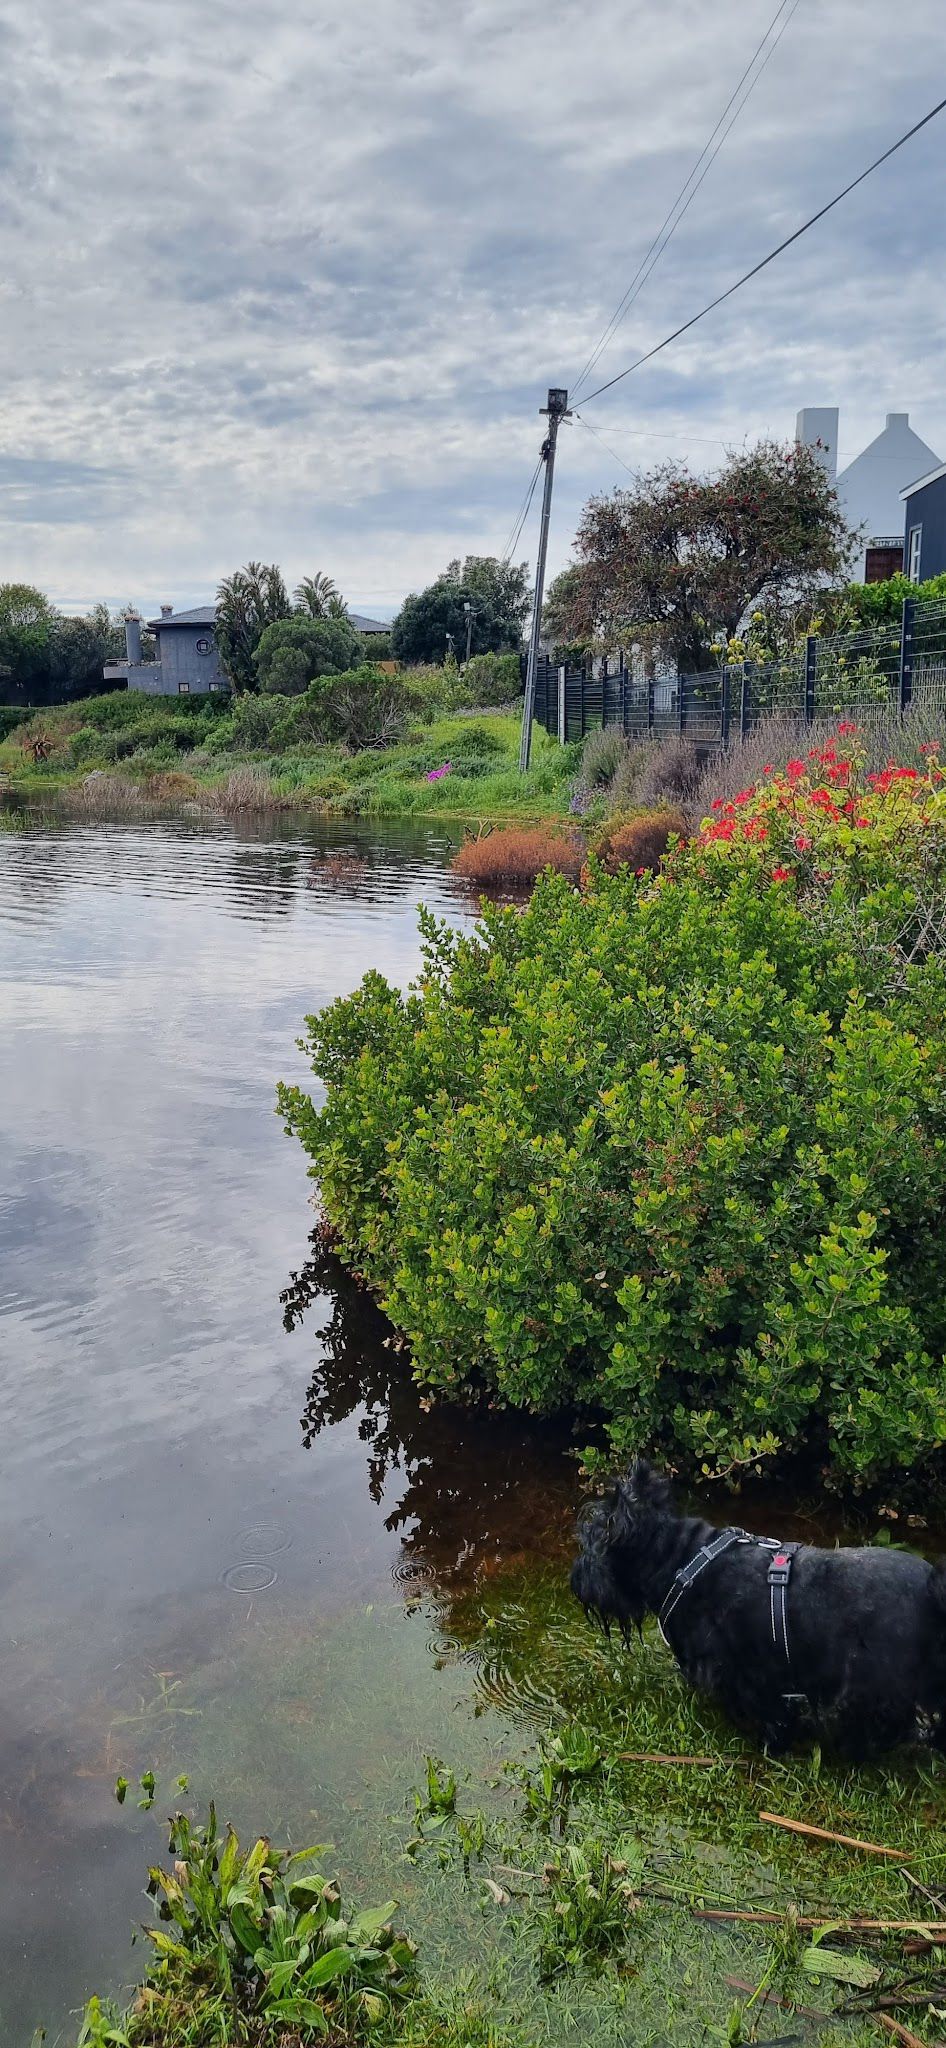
134, 740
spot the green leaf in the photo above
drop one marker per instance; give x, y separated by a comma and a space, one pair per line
368, 1925
245, 1928
325, 1970
846, 1968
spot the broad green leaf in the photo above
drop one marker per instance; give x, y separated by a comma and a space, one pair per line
368, 1925
326, 1968
841, 1968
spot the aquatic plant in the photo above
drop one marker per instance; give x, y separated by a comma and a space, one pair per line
256, 1940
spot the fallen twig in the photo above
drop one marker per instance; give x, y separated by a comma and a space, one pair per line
930, 1931
934, 1897
804, 2012
659, 1756
804, 1827
899, 2031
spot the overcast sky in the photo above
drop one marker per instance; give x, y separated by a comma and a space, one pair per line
290, 282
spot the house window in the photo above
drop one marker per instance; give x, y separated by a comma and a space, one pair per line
913, 559
204, 646
183, 689
883, 559
215, 686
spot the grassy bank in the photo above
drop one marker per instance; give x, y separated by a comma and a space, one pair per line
128, 751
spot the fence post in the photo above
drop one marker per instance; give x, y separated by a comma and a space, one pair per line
561, 704
681, 713
650, 702
907, 633
724, 709
744, 700
583, 672
623, 696
811, 671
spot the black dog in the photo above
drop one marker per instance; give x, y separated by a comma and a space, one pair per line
846, 1645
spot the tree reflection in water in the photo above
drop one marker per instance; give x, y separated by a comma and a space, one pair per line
479, 1490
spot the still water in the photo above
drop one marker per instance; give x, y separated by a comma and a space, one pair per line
232, 1540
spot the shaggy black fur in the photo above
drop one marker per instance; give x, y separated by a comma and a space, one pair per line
866, 1628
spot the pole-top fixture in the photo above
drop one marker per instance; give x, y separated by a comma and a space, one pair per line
557, 405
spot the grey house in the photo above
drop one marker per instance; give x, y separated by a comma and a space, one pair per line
924, 538
187, 663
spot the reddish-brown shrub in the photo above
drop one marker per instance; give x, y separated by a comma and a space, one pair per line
518, 853
641, 841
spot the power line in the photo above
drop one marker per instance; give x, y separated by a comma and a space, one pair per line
523, 514
686, 195
770, 258
619, 459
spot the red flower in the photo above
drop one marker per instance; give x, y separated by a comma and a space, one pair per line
794, 769
862, 821
802, 842
769, 768
781, 874
846, 726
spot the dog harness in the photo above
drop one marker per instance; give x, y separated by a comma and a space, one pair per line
779, 1574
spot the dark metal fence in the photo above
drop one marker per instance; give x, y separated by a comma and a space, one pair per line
844, 674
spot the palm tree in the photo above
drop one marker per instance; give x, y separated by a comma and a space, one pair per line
247, 602
320, 597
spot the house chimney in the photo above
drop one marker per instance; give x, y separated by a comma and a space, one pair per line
817, 428
167, 611
898, 419
133, 638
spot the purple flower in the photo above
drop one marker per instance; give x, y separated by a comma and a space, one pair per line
435, 774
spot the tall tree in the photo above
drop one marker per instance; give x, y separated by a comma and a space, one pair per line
292, 653
247, 602
499, 593
27, 624
320, 597
677, 562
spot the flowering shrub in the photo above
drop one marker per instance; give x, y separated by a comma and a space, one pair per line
862, 850
670, 1149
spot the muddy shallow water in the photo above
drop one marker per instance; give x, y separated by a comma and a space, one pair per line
233, 1539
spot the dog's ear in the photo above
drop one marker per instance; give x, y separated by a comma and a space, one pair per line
642, 1487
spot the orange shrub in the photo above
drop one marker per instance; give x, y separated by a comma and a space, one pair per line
641, 841
518, 853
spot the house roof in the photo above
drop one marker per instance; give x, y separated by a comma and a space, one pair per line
932, 477
201, 615
365, 625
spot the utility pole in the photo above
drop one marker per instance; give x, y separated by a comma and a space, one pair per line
468, 608
555, 411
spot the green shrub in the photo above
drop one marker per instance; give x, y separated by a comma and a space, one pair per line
362, 708
293, 652
671, 1151
11, 715
603, 754
487, 681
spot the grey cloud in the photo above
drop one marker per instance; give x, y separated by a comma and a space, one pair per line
293, 284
